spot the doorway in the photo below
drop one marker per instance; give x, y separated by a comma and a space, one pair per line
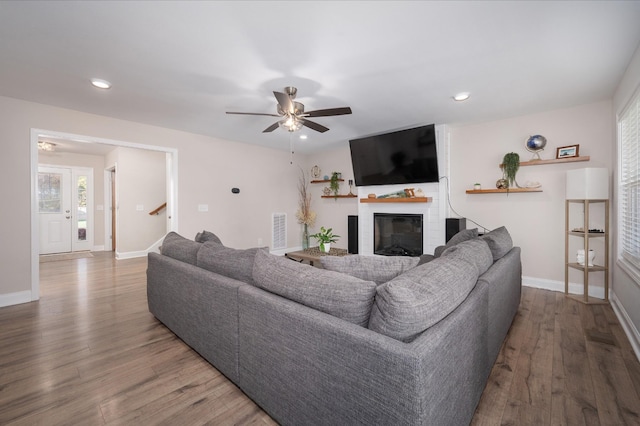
86, 141
65, 208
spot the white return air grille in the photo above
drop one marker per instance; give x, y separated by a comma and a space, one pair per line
279, 237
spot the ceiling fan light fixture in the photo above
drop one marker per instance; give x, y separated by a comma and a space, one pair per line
291, 124
100, 83
46, 146
462, 96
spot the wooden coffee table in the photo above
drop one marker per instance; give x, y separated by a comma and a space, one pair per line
313, 254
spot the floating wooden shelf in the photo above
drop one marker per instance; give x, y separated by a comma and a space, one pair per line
553, 161
325, 180
502, 191
397, 200
339, 196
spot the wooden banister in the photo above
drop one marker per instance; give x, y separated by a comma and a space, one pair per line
159, 209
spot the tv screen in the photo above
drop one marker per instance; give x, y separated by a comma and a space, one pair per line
405, 156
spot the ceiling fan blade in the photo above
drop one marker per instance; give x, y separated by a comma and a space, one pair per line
253, 113
313, 125
272, 127
328, 112
285, 101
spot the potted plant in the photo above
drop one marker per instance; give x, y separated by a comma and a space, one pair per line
510, 166
325, 237
334, 185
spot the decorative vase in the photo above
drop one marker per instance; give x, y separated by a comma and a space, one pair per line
325, 247
477, 186
305, 237
502, 184
580, 257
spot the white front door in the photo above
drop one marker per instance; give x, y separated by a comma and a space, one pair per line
65, 201
54, 204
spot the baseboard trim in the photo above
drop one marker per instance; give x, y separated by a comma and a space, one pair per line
130, 254
574, 288
282, 252
155, 248
17, 298
627, 325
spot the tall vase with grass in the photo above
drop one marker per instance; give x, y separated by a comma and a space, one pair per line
306, 217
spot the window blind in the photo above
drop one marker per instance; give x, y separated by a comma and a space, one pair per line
629, 176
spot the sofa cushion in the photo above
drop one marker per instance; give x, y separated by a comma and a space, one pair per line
414, 301
337, 294
204, 236
180, 248
378, 269
475, 252
464, 235
232, 263
499, 241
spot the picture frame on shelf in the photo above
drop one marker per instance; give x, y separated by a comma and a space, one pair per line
567, 151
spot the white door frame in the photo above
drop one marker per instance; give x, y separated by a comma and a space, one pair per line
172, 189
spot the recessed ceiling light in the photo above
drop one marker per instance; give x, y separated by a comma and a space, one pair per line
100, 84
303, 136
462, 96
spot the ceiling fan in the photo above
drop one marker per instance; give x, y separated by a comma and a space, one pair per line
293, 114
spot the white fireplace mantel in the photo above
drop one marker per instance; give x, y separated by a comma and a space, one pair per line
434, 212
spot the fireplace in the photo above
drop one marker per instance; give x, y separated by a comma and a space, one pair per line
397, 234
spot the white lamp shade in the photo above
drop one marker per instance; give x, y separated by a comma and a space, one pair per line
588, 184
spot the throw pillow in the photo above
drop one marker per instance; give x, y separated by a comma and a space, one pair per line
204, 236
499, 241
233, 263
476, 252
378, 269
336, 294
411, 303
464, 235
425, 258
180, 248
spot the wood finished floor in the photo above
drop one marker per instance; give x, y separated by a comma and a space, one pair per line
90, 353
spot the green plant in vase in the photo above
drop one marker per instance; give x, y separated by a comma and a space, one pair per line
334, 184
510, 166
325, 237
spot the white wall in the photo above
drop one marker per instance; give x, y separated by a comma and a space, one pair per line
207, 170
626, 289
536, 221
141, 188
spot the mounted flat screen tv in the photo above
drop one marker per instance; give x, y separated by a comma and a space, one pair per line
405, 156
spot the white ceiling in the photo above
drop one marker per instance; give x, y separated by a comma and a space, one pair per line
397, 64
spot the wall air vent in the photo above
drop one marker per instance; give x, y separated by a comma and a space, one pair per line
279, 237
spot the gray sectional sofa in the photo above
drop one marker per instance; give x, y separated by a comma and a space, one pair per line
366, 340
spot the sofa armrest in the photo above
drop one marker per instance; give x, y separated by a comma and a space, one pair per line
199, 306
